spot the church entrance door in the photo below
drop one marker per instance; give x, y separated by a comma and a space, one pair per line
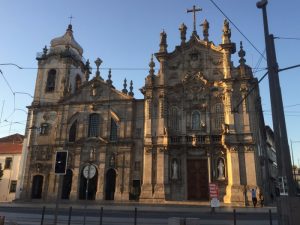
67, 184
110, 184
197, 179
37, 186
92, 187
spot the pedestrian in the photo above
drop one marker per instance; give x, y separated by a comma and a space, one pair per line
253, 195
261, 198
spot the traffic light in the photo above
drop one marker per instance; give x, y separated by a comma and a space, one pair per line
61, 162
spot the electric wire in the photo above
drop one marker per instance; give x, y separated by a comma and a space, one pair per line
288, 38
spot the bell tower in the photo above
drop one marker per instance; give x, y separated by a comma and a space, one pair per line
61, 69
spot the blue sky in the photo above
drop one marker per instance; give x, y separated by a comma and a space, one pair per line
124, 34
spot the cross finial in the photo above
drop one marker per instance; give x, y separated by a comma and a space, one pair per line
71, 17
194, 10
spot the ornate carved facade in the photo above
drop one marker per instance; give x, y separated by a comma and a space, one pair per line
188, 130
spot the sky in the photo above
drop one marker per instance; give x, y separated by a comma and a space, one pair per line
124, 34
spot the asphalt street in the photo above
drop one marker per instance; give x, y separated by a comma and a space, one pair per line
31, 214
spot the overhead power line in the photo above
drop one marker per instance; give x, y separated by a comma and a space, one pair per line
288, 38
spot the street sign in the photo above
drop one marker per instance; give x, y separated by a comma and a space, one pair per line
214, 195
214, 203
213, 190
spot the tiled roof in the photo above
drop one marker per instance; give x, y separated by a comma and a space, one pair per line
10, 148
14, 138
11, 144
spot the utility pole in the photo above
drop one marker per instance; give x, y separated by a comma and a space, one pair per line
285, 176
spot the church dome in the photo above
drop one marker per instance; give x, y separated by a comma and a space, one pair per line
67, 40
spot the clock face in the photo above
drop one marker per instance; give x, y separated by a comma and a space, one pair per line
89, 171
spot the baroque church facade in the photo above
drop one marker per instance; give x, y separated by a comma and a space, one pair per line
190, 130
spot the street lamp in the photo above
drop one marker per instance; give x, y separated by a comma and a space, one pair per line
287, 203
89, 171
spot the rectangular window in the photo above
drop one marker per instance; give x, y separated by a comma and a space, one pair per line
13, 186
8, 163
94, 122
44, 130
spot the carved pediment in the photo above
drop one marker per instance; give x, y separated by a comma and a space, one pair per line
195, 87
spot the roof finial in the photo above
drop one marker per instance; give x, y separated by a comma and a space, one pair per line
109, 81
163, 42
226, 33
125, 91
45, 50
242, 54
183, 29
87, 70
194, 10
98, 62
151, 65
205, 26
131, 89
71, 17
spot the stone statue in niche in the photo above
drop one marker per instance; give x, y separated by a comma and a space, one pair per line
175, 169
221, 169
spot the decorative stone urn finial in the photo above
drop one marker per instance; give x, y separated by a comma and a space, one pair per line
125, 91
131, 89
242, 54
151, 65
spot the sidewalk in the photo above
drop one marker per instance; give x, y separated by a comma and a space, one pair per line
171, 206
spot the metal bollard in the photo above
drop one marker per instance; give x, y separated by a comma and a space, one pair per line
270, 217
135, 215
43, 213
101, 215
234, 217
70, 215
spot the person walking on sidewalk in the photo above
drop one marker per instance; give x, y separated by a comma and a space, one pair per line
253, 195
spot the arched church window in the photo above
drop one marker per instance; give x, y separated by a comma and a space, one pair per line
50, 85
94, 122
195, 120
174, 118
113, 130
72, 132
77, 82
219, 116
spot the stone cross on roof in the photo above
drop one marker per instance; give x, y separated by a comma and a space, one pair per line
71, 17
194, 10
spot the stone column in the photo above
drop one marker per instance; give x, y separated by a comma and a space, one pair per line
228, 115
161, 188
234, 189
76, 175
101, 176
146, 189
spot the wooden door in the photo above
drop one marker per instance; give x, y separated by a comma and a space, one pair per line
197, 179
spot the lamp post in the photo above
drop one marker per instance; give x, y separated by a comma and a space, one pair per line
286, 202
89, 171
280, 133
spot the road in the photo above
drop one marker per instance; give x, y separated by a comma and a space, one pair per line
150, 215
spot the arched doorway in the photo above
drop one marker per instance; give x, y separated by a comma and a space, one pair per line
37, 186
92, 189
110, 184
67, 184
